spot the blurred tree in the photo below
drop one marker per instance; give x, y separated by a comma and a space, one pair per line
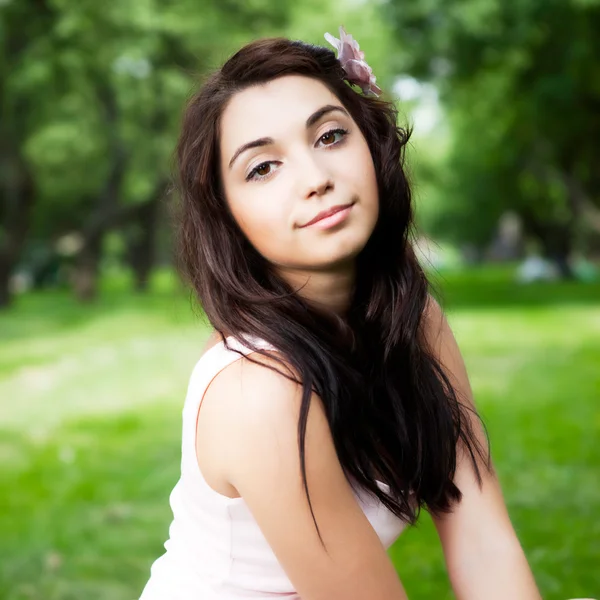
520, 82
23, 27
92, 94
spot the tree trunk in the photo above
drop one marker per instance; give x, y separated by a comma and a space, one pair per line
87, 268
18, 196
558, 246
5, 295
142, 247
108, 211
556, 240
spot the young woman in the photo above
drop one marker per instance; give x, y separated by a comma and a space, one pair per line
332, 401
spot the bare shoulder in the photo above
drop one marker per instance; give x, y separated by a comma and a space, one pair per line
251, 390
249, 383
239, 392
257, 412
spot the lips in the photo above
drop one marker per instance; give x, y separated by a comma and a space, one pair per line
327, 213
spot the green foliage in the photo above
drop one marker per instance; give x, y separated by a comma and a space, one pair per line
519, 83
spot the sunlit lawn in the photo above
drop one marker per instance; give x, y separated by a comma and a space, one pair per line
90, 401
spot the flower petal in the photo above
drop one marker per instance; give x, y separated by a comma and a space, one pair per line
358, 71
333, 41
353, 62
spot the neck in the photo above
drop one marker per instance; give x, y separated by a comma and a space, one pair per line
327, 290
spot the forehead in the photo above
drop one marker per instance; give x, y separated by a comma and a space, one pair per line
271, 109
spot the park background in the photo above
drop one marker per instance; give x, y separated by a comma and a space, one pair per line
98, 337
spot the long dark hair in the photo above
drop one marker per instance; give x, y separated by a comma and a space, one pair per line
392, 410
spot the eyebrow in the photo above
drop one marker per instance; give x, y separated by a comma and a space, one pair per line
267, 141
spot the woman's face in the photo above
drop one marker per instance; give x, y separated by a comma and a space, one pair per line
289, 150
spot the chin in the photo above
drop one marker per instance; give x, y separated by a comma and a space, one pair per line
340, 252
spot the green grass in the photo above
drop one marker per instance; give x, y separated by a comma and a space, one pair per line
90, 401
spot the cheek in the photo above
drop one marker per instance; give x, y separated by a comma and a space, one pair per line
265, 222
360, 170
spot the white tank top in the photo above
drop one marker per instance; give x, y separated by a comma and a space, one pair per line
215, 550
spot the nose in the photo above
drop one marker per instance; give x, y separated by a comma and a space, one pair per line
314, 177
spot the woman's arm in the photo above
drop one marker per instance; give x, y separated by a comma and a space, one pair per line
483, 555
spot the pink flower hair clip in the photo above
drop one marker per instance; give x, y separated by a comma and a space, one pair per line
358, 72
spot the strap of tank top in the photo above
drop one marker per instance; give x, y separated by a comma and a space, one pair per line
243, 347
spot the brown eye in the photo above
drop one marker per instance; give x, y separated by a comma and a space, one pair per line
263, 169
328, 138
